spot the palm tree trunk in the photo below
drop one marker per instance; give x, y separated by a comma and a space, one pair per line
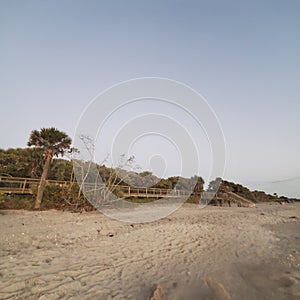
42, 184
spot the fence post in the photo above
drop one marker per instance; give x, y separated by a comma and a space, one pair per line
24, 185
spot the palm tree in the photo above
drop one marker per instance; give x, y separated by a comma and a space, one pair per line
52, 142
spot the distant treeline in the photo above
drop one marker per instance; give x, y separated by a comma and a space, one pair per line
28, 162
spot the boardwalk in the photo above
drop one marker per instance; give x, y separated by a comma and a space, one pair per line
228, 197
19, 185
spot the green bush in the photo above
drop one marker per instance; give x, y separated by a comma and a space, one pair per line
54, 197
11, 201
194, 199
64, 197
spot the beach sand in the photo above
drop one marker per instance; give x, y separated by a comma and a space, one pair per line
208, 253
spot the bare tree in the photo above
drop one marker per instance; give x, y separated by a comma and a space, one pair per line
101, 187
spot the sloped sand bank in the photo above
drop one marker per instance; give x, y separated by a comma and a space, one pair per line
209, 253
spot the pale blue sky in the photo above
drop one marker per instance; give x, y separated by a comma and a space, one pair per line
242, 56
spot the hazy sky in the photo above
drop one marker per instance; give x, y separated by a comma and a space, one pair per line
242, 56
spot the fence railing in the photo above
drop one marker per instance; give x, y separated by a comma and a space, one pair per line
20, 185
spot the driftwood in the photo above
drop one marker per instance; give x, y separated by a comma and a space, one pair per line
158, 293
218, 290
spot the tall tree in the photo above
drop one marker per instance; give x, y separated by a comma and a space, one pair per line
53, 143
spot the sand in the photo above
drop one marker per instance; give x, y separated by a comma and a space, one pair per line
209, 253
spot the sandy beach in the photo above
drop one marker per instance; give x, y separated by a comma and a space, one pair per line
208, 253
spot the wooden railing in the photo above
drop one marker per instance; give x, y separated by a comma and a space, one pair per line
20, 185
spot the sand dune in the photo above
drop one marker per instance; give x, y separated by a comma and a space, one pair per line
210, 253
